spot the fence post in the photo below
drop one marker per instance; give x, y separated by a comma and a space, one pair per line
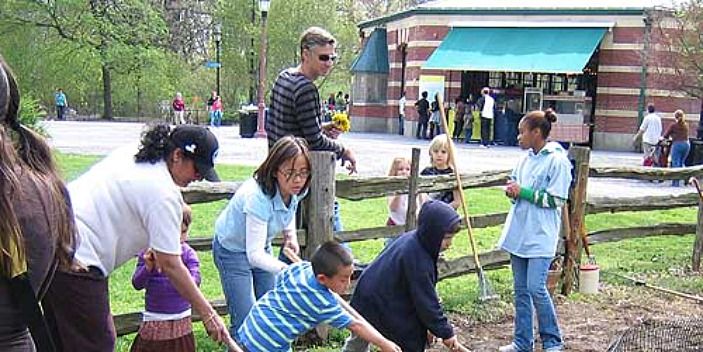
411, 216
319, 204
698, 244
577, 215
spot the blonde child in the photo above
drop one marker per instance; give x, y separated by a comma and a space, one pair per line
441, 161
398, 204
166, 324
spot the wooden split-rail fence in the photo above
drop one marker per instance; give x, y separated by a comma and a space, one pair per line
324, 188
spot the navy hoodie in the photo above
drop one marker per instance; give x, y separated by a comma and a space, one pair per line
396, 293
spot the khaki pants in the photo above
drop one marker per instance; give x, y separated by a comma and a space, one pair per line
648, 149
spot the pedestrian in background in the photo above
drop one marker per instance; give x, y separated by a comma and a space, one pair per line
678, 132
650, 131
401, 114
486, 105
423, 111
459, 116
61, 104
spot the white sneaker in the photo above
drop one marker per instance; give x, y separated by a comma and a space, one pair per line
508, 348
554, 349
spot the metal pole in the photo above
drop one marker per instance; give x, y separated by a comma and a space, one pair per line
645, 64
260, 131
217, 49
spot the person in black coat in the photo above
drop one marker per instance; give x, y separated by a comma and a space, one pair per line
396, 292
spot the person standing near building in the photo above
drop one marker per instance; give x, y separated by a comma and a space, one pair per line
423, 110
650, 131
61, 103
486, 104
678, 132
401, 113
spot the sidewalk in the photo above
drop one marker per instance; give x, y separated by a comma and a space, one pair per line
374, 153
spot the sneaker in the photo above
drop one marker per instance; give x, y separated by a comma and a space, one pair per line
483, 146
508, 348
554, 349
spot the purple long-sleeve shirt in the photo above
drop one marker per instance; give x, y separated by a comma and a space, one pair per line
161, 296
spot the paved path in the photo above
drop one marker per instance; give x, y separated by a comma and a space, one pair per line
374, 152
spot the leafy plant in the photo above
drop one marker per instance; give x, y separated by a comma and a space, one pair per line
31, 113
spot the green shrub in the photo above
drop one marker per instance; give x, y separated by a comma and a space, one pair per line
31, 113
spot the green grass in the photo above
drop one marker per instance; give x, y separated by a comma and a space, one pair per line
660, 260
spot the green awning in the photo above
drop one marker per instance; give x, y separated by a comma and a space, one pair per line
542, 50
374, 56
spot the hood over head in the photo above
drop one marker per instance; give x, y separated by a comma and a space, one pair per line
435, 220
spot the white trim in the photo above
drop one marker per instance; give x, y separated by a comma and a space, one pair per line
447, 84
636, 69
424, 43
533, 24
615, 113
635, 91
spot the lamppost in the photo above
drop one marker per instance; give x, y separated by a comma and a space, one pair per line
218, 39
264, 8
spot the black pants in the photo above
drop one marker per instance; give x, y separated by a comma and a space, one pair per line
401, 127
422, 127
59, 112
458, 126
485, 131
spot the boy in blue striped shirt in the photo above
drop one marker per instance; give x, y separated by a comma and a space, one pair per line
303, 298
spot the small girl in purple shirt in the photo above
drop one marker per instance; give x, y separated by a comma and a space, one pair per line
166, 324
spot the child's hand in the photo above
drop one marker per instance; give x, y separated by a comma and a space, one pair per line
149, 260
512, 189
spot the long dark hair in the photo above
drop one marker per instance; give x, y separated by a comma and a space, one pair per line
285, 149
30, 156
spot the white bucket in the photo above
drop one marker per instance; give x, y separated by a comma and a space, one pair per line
589, 275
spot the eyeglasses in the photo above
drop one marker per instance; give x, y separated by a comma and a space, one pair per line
292, 174
325, 57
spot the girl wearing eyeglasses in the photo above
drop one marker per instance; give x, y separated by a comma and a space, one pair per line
263, 207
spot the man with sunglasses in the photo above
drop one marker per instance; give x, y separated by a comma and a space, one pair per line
295, 101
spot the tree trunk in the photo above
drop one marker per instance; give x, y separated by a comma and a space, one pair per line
107, 93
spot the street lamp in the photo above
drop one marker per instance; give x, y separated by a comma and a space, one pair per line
264, 8
217, 33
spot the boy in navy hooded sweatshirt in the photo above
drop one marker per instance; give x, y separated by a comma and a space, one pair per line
396, 292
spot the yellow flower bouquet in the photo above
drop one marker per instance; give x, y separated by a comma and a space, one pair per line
341, 121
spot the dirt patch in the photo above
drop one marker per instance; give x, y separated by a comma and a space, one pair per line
588, 323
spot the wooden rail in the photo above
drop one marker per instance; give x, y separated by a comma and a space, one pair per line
373, 187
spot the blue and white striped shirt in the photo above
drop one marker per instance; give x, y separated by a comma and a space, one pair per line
297, 303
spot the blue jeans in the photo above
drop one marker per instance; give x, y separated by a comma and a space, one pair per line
241, 283
679, 152
215, 118
530, 285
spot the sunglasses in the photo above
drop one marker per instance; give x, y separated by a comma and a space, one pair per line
325, 58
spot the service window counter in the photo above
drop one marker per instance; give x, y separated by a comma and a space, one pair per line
573, 113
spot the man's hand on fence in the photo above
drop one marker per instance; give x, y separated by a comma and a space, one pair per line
349, 160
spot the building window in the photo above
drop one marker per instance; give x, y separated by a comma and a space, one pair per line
495, 79
558, 84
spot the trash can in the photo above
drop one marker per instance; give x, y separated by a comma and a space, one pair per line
695, 155
247, 122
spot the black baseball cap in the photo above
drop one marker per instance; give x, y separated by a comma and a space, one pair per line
200, 144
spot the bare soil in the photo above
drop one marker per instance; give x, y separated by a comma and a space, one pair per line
588, 322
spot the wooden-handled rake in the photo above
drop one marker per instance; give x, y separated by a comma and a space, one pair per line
486, 292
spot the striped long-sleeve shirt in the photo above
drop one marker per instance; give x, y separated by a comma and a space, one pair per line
297, 303
295, 110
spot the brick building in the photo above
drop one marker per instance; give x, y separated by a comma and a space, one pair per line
595, 62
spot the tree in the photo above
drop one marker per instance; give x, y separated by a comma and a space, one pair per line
109, 28
680, 64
